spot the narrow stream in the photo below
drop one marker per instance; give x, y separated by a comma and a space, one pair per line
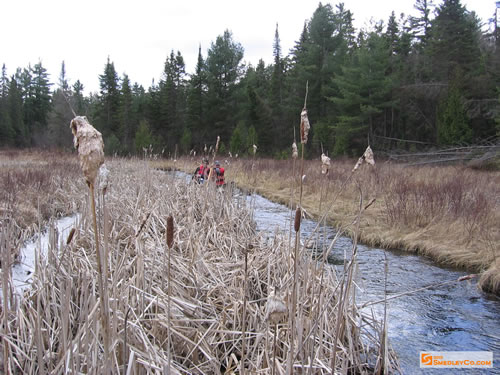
22, 272
453, 317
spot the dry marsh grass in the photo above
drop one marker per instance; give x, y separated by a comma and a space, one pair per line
203, 287
450, 214
34, 187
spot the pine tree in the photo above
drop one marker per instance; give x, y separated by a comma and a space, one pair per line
196, 102
127, 116
223, 72
454, 41
15, 104
108, 106
7, 134
452, 123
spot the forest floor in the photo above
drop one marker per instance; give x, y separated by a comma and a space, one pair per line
447, 213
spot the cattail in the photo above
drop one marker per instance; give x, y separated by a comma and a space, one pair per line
369, 156
296, 225
304, 126
103, 178
325, 164
276, 309
90, 147
70, 236
295, 152
170, 231
217, 145
366, 157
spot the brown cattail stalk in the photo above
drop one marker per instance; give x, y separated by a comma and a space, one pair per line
88, 142
170, 243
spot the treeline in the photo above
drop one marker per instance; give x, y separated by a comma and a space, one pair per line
428, 79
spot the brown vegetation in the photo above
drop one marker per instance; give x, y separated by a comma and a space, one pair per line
450, 214
218, 293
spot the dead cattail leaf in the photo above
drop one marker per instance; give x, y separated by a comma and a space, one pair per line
143, 223
295, 152
304, 126
298, 215
467, 277
88, 141
275, 308
325, 164
70, 236
170, 231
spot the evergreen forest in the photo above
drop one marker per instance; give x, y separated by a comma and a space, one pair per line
409, 82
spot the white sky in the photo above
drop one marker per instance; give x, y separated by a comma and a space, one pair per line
139, 35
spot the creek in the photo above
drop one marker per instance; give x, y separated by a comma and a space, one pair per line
451, 317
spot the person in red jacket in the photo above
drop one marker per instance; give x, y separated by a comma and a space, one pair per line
201, 173
219, 174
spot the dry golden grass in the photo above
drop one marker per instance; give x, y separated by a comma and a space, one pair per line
450, 214
199, 305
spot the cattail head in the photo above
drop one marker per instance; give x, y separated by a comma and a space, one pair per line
366, 157
369, 156
88, 142
304, 126
325, 164
275, 308
103, 178
295, 152
70, 236
217, 144
298, 215
170, 231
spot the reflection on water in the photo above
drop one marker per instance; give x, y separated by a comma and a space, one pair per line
452, 317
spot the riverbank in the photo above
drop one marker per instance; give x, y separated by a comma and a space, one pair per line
449, 214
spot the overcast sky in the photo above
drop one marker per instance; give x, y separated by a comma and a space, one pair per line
138, 35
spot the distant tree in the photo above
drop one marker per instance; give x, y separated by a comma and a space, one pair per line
223, 73
172, 98
15, 104
196, 102
79, 100
108, 106
420, 25
127, 117
143, 137
7, 133
63, 81
454, 41
452, 123
61, 113
238, 141
186, 140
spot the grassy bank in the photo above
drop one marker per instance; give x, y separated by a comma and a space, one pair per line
450, 214
212, 298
